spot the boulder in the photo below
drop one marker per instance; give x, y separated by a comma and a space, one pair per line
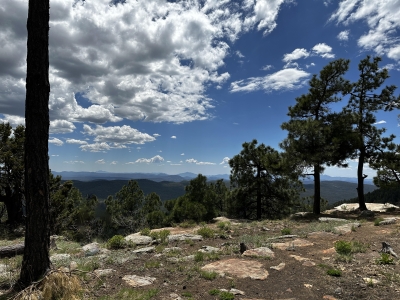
139, 239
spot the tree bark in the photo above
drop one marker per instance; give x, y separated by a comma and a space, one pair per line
317, 190
360, 180
36, 260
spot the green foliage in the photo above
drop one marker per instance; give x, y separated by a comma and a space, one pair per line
199, 256
209, 275
348, 248
69, 211
334, 272
145, 231
214, 292
125, 209
377, 221
132, 294
116, 242
222, 295
162, 235
286, 231
12, 171
343, 247
198, 204
263, 186
225, 226
385, 259
206, 232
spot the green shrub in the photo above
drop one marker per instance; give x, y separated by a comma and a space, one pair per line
286, 231
224, 225
385, 259
199, 256
206, 232
214, 292
343, 247
164, 235
377, 221
208, 275
188, 224
226, 296
145, 231
116, 242
334, 272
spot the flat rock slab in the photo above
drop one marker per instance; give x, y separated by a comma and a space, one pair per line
347, 228
184, 237
388, 221
103, 272
209, 249
138, 239
299, 258
238, 267
294, 243
328, 220
145, 250
136, 281
259, 252
379, 207
60, 257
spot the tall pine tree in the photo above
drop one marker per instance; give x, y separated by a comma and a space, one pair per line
313, 131
364, 102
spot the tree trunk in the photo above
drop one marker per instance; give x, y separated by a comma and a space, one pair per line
36, 260
360, 180
258, 195
13, 205
317, 190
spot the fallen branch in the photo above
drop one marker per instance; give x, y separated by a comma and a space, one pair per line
13, 250
386, 248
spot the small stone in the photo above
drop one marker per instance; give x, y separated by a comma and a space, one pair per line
73, 265
308, 263
236, 292
338, 290
59, 257
103, 272
278, 267
328, 297
136, 281
307, 285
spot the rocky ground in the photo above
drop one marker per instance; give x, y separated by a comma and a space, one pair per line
299, 258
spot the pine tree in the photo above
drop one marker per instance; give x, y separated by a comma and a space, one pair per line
364, 102
36, 260
314, 133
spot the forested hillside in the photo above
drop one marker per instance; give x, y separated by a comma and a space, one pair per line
103, 188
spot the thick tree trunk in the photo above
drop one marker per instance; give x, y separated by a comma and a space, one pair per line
360, 180
317, 190
36, 260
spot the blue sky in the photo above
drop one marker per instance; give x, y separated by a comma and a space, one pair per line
177, 86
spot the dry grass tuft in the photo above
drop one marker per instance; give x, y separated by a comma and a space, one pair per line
55, 285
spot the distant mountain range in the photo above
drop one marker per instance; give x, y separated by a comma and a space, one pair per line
103, 184
157, 177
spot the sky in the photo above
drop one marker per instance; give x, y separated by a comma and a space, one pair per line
179, 86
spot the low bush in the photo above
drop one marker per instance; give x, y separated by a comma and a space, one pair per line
116, 242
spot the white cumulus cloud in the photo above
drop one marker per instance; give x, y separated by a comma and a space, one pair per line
286, 79
56, 141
